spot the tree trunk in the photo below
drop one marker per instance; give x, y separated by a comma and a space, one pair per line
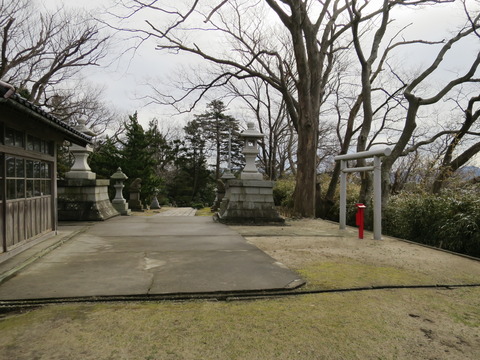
304, 196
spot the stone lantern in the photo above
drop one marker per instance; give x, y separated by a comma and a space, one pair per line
80, 168
119, 203
81, 196
250, 150
249, 200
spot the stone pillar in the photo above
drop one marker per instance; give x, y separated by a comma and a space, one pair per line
119, 203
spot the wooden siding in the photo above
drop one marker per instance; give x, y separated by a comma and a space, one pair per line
27, 218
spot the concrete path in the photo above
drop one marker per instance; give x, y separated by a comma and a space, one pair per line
182, 211
150, 255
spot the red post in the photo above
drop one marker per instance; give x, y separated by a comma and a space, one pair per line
359, 219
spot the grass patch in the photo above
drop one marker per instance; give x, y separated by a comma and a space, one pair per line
359, 325
338, 275
150, 212
206, 211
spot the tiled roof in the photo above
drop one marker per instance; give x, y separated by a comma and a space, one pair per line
45, 115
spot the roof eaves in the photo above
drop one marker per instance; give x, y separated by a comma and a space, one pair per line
4, 92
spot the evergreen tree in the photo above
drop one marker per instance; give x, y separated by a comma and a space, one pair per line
216, 126
192, 184
137, 158
105, 158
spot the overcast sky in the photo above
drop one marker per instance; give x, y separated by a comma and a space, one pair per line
124, 81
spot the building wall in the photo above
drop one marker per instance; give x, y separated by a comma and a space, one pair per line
27, 185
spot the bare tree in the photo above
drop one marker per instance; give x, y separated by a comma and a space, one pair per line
269, 111
83, 100
41, 49
450, 164
314, 30
300, 69
415, 102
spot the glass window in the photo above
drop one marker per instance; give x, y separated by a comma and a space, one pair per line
29, 168
48, 172
30, 145
29, 188
20, 169
27, 178
36, 169
36, 188
19, 139
9, 137
48, 187
36, 145
10, 166
42, 170
20, 188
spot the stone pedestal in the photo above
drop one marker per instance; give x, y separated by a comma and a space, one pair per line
84, 200
248, 202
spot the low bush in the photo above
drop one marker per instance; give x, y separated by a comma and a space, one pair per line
283, 192
449, 221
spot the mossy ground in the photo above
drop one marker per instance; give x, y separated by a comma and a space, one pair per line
400, 324
204, 212
435, 323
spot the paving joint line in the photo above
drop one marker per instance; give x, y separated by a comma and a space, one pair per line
12, 305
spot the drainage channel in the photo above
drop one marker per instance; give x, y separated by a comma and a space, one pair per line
15, 305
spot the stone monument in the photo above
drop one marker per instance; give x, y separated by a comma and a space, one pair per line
155, 204
249, 200
81, 196
135, 203
119, 203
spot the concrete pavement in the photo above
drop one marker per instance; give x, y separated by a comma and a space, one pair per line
149, 255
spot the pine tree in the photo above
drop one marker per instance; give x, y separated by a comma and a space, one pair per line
137, 158
105, 158
192, 184
216, 126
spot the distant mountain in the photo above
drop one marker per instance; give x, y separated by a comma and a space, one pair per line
469, 172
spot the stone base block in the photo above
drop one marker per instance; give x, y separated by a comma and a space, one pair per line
84, 200
248, 202
122, 207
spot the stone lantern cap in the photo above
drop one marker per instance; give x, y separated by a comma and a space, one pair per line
251, 132
119, 175
81, 127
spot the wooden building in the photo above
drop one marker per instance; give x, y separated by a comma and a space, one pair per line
28, 190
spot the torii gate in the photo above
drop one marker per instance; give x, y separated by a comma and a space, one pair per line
377, 185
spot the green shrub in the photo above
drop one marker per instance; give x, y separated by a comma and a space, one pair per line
283, 192
450, 221
197, 205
